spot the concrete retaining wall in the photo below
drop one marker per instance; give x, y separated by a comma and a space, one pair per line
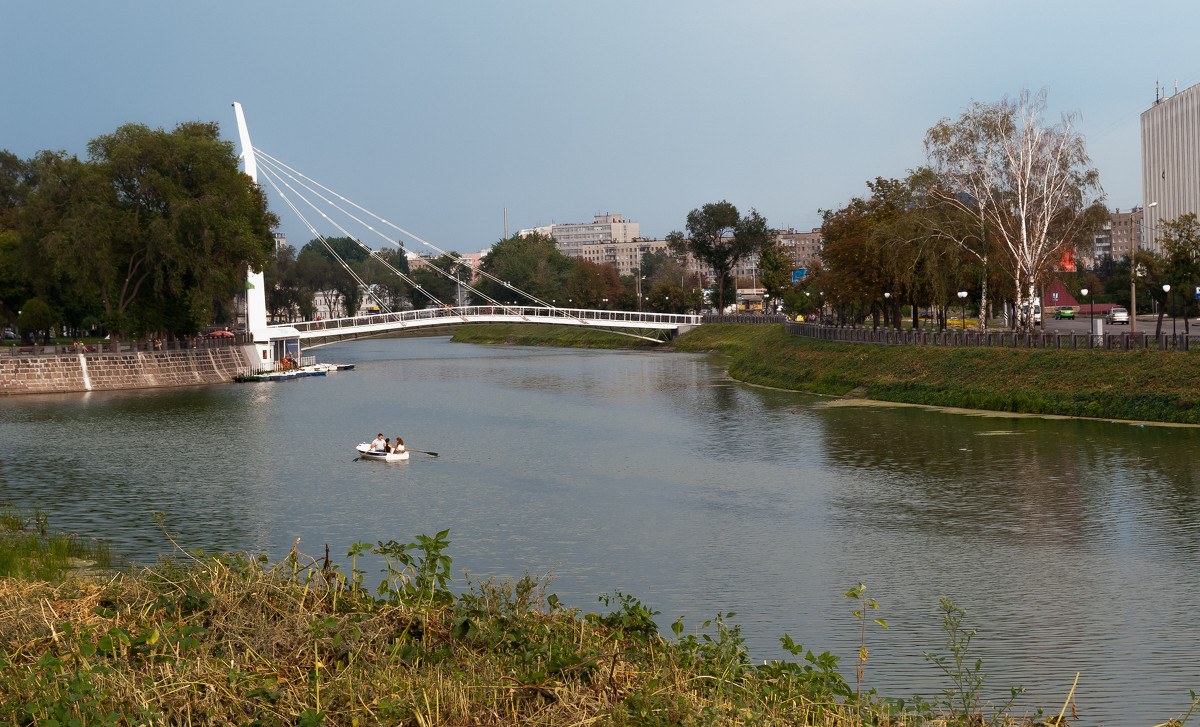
130, 370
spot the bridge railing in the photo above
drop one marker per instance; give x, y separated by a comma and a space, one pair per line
584, 316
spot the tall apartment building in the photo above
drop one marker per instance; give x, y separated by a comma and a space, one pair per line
804, 247
1121, 233
1170, 159
573, 238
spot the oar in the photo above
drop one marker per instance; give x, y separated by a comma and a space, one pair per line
431, 454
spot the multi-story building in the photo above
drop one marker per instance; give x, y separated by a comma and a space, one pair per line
1120, 234
1170, 159
572, 239
804, 247
626, 256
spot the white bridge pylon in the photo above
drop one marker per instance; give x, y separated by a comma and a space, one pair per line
382, 323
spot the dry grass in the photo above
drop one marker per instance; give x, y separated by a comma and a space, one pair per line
233, 640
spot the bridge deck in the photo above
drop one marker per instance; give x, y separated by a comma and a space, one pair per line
384, 322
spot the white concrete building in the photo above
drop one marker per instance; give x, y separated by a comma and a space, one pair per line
603, 229
1170, 159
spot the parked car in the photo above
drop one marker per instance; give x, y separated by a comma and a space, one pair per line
1064, 311
10, 336
1117, 315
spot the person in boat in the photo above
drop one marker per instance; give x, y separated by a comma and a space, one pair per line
379, 444
399, 445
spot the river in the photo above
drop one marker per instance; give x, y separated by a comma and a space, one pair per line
1072, 545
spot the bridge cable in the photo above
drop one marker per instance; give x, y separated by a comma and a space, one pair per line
262, 154
324, 242
280, 164
371, 252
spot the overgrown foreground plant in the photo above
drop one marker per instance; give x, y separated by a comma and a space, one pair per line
230, 639
29, 549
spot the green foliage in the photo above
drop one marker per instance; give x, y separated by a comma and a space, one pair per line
423, 577
153, 232
630, 617
548, 335
720, 238
434, 286
36, 317
232, 639
532, 264
964, 698
859, 595
592, 285
29, 550
1036, 381
817, 677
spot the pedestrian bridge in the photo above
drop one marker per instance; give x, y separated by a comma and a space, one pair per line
654, 326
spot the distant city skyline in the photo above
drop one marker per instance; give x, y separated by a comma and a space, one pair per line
440, 116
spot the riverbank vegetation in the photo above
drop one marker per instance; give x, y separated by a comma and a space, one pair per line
29, 549
1130, 385
535, 335
233, 639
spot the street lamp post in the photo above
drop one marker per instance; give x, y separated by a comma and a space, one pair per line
1167, 290
962, 296
887, 298
1133, 276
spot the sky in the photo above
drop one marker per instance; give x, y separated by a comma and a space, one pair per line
439, 116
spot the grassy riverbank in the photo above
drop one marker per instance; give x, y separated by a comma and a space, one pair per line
230, 639
547, 335
1141, 385
1137, 385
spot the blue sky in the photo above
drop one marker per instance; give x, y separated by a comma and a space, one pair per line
438, 116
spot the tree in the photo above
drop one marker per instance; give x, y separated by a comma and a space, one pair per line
385, 284
531, 264
591, 283
719, 238
775, 272
158, 226
36, 317
1181, 251
433, 285
1026, 183
336, 266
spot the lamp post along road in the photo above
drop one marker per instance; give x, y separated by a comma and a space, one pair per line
1133, 276
962, 296
1167, 291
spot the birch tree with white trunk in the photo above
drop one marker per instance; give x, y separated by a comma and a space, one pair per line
1028, 184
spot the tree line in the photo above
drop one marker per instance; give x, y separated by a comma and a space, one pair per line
152, 233
1003, 204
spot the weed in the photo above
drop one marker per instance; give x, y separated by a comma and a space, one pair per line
964, 698
859, 594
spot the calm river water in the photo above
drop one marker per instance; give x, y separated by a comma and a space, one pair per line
1072, 545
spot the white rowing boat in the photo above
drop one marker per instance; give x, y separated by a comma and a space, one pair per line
365, 452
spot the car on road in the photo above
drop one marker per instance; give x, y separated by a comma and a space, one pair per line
1117, 315
1064, 311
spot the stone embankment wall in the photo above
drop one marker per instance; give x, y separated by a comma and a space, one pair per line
128, 370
